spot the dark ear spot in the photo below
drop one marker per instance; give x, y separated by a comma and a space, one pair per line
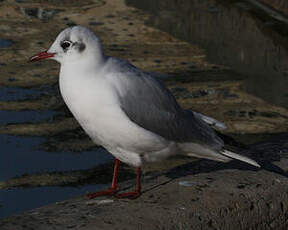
80, 46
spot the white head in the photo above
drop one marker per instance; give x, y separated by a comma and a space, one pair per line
74, 44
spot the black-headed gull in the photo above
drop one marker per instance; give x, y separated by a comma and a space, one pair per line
128, 111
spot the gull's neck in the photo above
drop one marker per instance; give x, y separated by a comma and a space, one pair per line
85, 65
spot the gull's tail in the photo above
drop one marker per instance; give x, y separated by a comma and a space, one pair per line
239, 157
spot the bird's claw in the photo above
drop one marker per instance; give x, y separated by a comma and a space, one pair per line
129, 195
108, 192
112, 192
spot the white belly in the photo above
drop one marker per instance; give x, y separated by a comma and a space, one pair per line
96, 108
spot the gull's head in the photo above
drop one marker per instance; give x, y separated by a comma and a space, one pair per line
74, 44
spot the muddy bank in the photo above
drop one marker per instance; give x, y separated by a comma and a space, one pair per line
280, 5
199, 83
247, 36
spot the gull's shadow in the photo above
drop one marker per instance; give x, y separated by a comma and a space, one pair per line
265, 153
207, 166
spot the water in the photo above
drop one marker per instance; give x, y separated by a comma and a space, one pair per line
15, 201
13, 93
19, 156
233, 33
31, 116
5, 43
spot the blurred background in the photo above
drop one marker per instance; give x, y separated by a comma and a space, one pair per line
224, 58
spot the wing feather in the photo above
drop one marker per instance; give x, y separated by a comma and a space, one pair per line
149, 104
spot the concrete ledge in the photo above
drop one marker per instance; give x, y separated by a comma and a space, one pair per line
197, 195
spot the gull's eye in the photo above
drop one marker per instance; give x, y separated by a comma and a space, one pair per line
65, 45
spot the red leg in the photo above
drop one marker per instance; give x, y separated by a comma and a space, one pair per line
114, 187
134, 194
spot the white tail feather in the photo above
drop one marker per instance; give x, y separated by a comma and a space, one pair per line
211, 121
239, 157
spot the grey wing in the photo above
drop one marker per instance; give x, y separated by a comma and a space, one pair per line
149, 104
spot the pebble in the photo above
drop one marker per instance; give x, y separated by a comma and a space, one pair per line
185, 183
99, 202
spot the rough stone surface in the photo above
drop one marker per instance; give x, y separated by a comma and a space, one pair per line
197, 195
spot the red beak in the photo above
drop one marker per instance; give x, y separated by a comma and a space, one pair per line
42, 55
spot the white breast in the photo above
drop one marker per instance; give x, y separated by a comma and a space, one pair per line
95, 105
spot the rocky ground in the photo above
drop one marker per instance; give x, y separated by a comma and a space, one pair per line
195, 195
